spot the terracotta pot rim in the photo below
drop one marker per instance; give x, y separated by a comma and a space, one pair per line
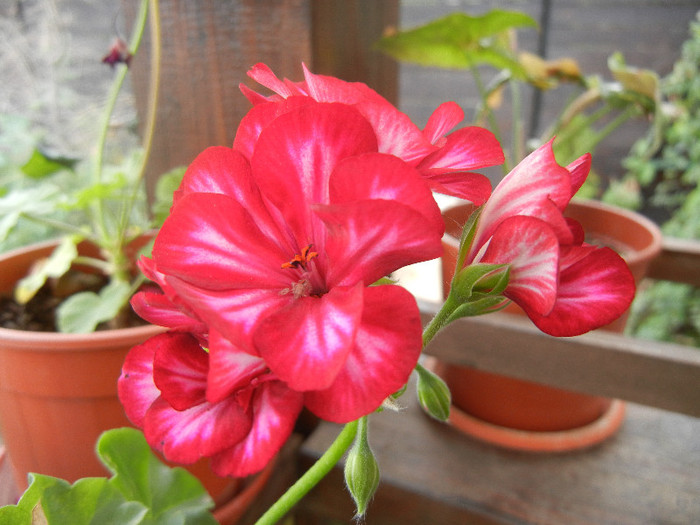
28, 339
649, 251
537, 441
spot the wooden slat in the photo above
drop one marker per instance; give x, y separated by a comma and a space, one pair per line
656, 374
678, 261
343, 34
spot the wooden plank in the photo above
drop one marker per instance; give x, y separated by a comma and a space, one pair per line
678, 261
343, 33
656, 374
207, 48
645, 474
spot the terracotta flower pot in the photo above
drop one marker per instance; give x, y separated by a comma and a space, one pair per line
524, 415
58, 393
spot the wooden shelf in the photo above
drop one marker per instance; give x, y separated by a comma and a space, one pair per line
645, 474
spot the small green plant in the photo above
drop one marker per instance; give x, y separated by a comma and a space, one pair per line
141, 491
461, 41
662, 180
91, 199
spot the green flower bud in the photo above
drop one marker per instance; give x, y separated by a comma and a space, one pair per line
361, 470
433, 394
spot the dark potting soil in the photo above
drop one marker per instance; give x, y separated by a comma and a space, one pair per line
39, 314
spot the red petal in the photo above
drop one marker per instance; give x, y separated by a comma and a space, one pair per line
203, 430
180, 369
212, 241
466, 149
473, 187
381, 176
275, 410
296, 154
137, 390
593, 291
370, 239
306, 343
531, 248
442, 120
385, 353
579, 170
230, 368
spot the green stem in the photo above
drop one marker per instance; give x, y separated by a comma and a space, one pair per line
441, 319
154, 89
312, 476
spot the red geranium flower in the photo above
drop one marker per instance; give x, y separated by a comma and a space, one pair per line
278, 252
567, 287
443, 161
166, 390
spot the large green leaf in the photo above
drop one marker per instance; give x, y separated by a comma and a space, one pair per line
170, 493
82, 312
460, 41
142, 491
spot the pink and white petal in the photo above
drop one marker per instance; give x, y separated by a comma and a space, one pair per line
233, 313
219, 170
304, 146
230, 368
396, 133
330, 89
593, 292
386, 351
531, 249
579, 170
307, 343
156, 308
185, 436
258, 118
381, 176
466, 149
469, 186
441, 121
136, 388
264, 76
212, 241
180, 368
254, 97
528, 190
369, 239
275, 409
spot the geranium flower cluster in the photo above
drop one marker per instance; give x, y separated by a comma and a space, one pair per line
271, 268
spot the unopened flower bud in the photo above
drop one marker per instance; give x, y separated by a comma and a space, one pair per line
433, 394
361, 470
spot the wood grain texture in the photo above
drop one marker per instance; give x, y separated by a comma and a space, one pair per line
343, 33
662, 375
207, 49
646, 474
679, 261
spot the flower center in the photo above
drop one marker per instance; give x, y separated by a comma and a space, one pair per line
301, 260
304, 287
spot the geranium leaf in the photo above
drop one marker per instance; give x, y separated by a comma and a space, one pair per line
460, 41
82, 312
42, 165
90, 501
173, 495
54, 266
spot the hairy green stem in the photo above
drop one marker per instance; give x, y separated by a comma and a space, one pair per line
311, 477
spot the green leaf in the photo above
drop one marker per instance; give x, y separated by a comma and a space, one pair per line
82, 312
169, 493
41, 165
58, 263
90, 501
166, 186
460, 41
